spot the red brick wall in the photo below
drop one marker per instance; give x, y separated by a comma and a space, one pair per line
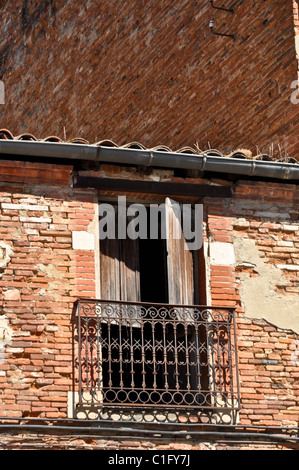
38, 287
296, 19
43, 276
268, 354
152, 73
296, 24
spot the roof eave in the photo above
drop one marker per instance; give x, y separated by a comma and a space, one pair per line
150, 158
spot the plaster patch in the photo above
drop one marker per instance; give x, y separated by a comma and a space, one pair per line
12, 294
295, 353
51, 271
297, 47
6, 334
258, 293
5, 254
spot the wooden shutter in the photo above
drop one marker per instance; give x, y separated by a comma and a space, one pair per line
119, 265
179, 257
110, 269
129, 270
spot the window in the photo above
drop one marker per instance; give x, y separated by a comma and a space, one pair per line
151, 270
146, 342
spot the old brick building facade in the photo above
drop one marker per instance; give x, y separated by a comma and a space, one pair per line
157, 75
50, 258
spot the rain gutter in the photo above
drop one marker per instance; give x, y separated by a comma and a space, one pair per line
148, 158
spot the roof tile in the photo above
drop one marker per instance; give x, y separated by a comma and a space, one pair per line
239, 153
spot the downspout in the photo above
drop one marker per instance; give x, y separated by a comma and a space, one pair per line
119, 155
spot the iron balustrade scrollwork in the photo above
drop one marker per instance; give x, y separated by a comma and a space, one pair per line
133, 354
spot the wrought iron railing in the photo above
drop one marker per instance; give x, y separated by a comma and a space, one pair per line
151, 355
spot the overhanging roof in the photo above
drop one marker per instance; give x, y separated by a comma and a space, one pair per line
238, 163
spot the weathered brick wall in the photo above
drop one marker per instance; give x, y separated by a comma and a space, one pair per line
34, 441
41, 276
253, 241
262, 281
152, 72
296, 23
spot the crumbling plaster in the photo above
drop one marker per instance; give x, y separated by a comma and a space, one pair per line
5, 254
259, 295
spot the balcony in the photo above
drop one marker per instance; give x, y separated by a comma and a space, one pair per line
145, 358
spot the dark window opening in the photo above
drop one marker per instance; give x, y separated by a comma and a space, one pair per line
158, 370
153, 269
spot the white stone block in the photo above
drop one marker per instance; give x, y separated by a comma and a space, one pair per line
25, 207
12, 294
290, 228
36, 220
289, 267
83, 241
222, 254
